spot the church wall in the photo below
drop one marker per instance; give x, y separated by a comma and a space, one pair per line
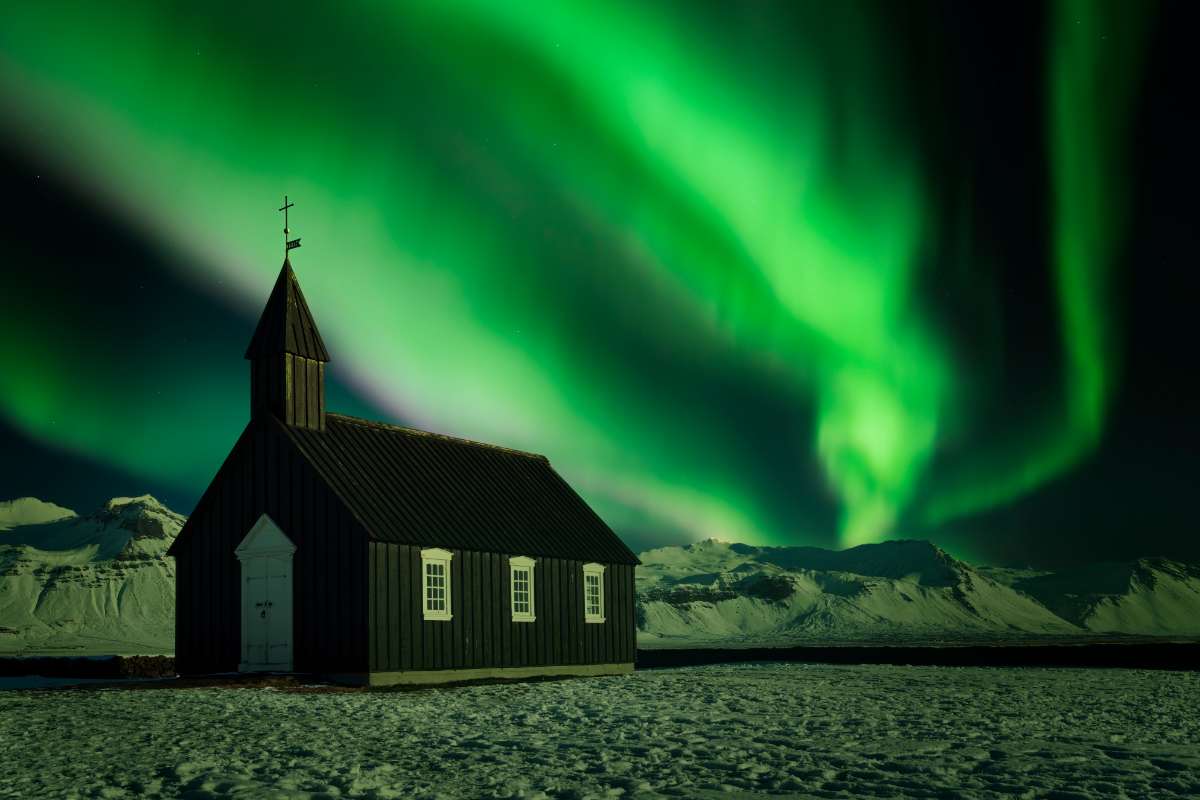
481, 633
265, 475
357, 604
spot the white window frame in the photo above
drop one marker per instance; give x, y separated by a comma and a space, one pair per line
598, 571
436, 555
520, 564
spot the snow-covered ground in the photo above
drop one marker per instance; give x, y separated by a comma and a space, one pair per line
787, 729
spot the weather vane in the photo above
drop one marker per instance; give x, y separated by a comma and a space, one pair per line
288, 244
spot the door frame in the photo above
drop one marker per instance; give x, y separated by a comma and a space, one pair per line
266, 540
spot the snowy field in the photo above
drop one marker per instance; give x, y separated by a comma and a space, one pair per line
784, 729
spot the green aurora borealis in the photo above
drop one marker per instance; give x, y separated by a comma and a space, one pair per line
673, 246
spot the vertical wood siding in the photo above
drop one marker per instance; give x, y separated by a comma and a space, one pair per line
291, 387
265, 475
357, 604
481, 632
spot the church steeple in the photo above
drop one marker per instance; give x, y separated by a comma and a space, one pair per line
287, 358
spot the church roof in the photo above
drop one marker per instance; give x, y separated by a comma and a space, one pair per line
413, 487
286, 324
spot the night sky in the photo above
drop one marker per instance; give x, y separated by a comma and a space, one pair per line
780, 273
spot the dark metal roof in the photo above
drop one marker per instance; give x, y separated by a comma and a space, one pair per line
420, 488
286, 324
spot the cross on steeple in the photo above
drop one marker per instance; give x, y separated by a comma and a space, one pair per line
293, 243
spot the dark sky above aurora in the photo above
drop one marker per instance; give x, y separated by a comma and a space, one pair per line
792, 273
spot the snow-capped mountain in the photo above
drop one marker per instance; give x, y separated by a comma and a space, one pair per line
1149, 596
30, 511
99, 583
714, 592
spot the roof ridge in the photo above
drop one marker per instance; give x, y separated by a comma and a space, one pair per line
372, 423
404, 488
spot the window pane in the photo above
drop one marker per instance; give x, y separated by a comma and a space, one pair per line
522, 580
436, 580
592, 604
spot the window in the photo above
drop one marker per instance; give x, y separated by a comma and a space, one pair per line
435, 583
520, 570
593, 593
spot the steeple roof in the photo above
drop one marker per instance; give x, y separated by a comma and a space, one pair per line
286, 324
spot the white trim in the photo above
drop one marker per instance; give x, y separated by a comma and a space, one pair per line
437, 676
596, 570
265, 574
437, 558
265, 538
521, 564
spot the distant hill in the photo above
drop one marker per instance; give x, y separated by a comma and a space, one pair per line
1149, 596
714, 592
30, 511
99, 583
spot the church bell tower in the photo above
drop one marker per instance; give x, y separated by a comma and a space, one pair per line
287, 358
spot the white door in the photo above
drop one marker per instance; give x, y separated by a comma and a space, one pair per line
255, 614
267, 613
266, 562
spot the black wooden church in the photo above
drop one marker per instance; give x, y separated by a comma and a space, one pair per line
379, 554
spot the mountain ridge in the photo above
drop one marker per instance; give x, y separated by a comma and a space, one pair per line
714, 592
101, 582
29, 511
